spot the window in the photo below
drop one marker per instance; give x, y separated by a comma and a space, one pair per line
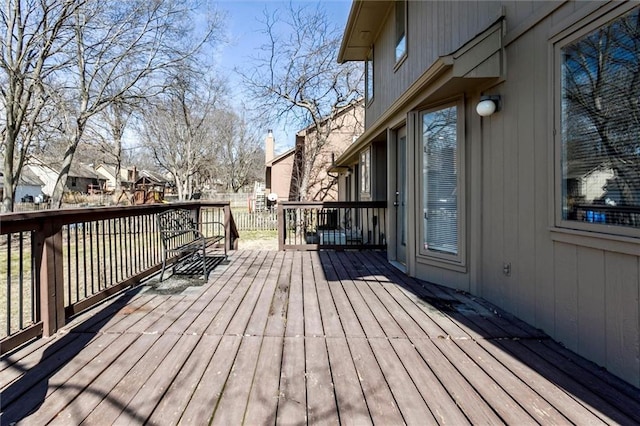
440, 185
600, 126
365, 172
369, 77
401, 29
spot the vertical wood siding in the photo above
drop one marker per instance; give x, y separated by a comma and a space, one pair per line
434, 29
587, 298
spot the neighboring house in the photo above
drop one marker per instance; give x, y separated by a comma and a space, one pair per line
108, 171
284, 173
474, 113
346, 125
278, 171
29, 187
81, 178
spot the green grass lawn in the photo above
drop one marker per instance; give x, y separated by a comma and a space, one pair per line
258, 235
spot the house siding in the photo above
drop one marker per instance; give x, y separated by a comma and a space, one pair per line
434, 29
581, 288
571, 291
281, 177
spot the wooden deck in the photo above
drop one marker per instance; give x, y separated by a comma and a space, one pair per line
305, 337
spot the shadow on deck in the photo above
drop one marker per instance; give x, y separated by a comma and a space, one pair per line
297, 337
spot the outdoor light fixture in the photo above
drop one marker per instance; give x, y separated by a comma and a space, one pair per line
488, 105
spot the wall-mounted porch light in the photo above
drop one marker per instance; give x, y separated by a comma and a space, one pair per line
488, 105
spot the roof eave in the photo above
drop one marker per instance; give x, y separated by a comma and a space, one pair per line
363, 26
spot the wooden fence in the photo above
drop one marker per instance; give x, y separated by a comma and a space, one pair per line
256, 221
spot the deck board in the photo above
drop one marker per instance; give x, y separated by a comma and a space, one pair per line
263, 399
200, 350
503, 403
352, 407
292, 397
241, 317
148, 397
312, 318
113, 361
321, 401
462, 392
259, 317
294, 324
412, 406
382, 404
328, 310
538, 408
276, 321
442, 406
305, 337
232, 406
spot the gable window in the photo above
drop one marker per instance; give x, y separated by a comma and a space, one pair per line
401, 29
600, 126
369, 77
441, 191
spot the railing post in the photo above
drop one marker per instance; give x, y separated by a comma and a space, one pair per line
281, 227
227, 227
49, 261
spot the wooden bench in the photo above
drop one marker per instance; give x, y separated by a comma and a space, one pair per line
187, 240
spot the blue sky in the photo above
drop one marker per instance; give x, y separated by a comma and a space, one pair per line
243, 29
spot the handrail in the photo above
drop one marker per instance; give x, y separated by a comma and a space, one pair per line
60, 262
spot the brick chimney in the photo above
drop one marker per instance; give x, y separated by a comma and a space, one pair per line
270, 147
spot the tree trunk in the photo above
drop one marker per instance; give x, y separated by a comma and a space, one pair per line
58, 190
9, 186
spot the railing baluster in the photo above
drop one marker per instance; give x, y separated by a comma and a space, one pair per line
91, 263
122, 249
134, 255
20, 283
68, 232
111, 242
35, 300
8, 284
84, 256
77, 256
102, 274
147, 235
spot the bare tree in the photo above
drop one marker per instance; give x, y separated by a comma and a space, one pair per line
116, 117
297, 79
239, 158
121, 51
176, 129
35, 34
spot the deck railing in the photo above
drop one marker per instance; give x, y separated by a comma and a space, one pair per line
57, 263
332, 225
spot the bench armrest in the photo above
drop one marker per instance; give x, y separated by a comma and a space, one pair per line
224, 228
